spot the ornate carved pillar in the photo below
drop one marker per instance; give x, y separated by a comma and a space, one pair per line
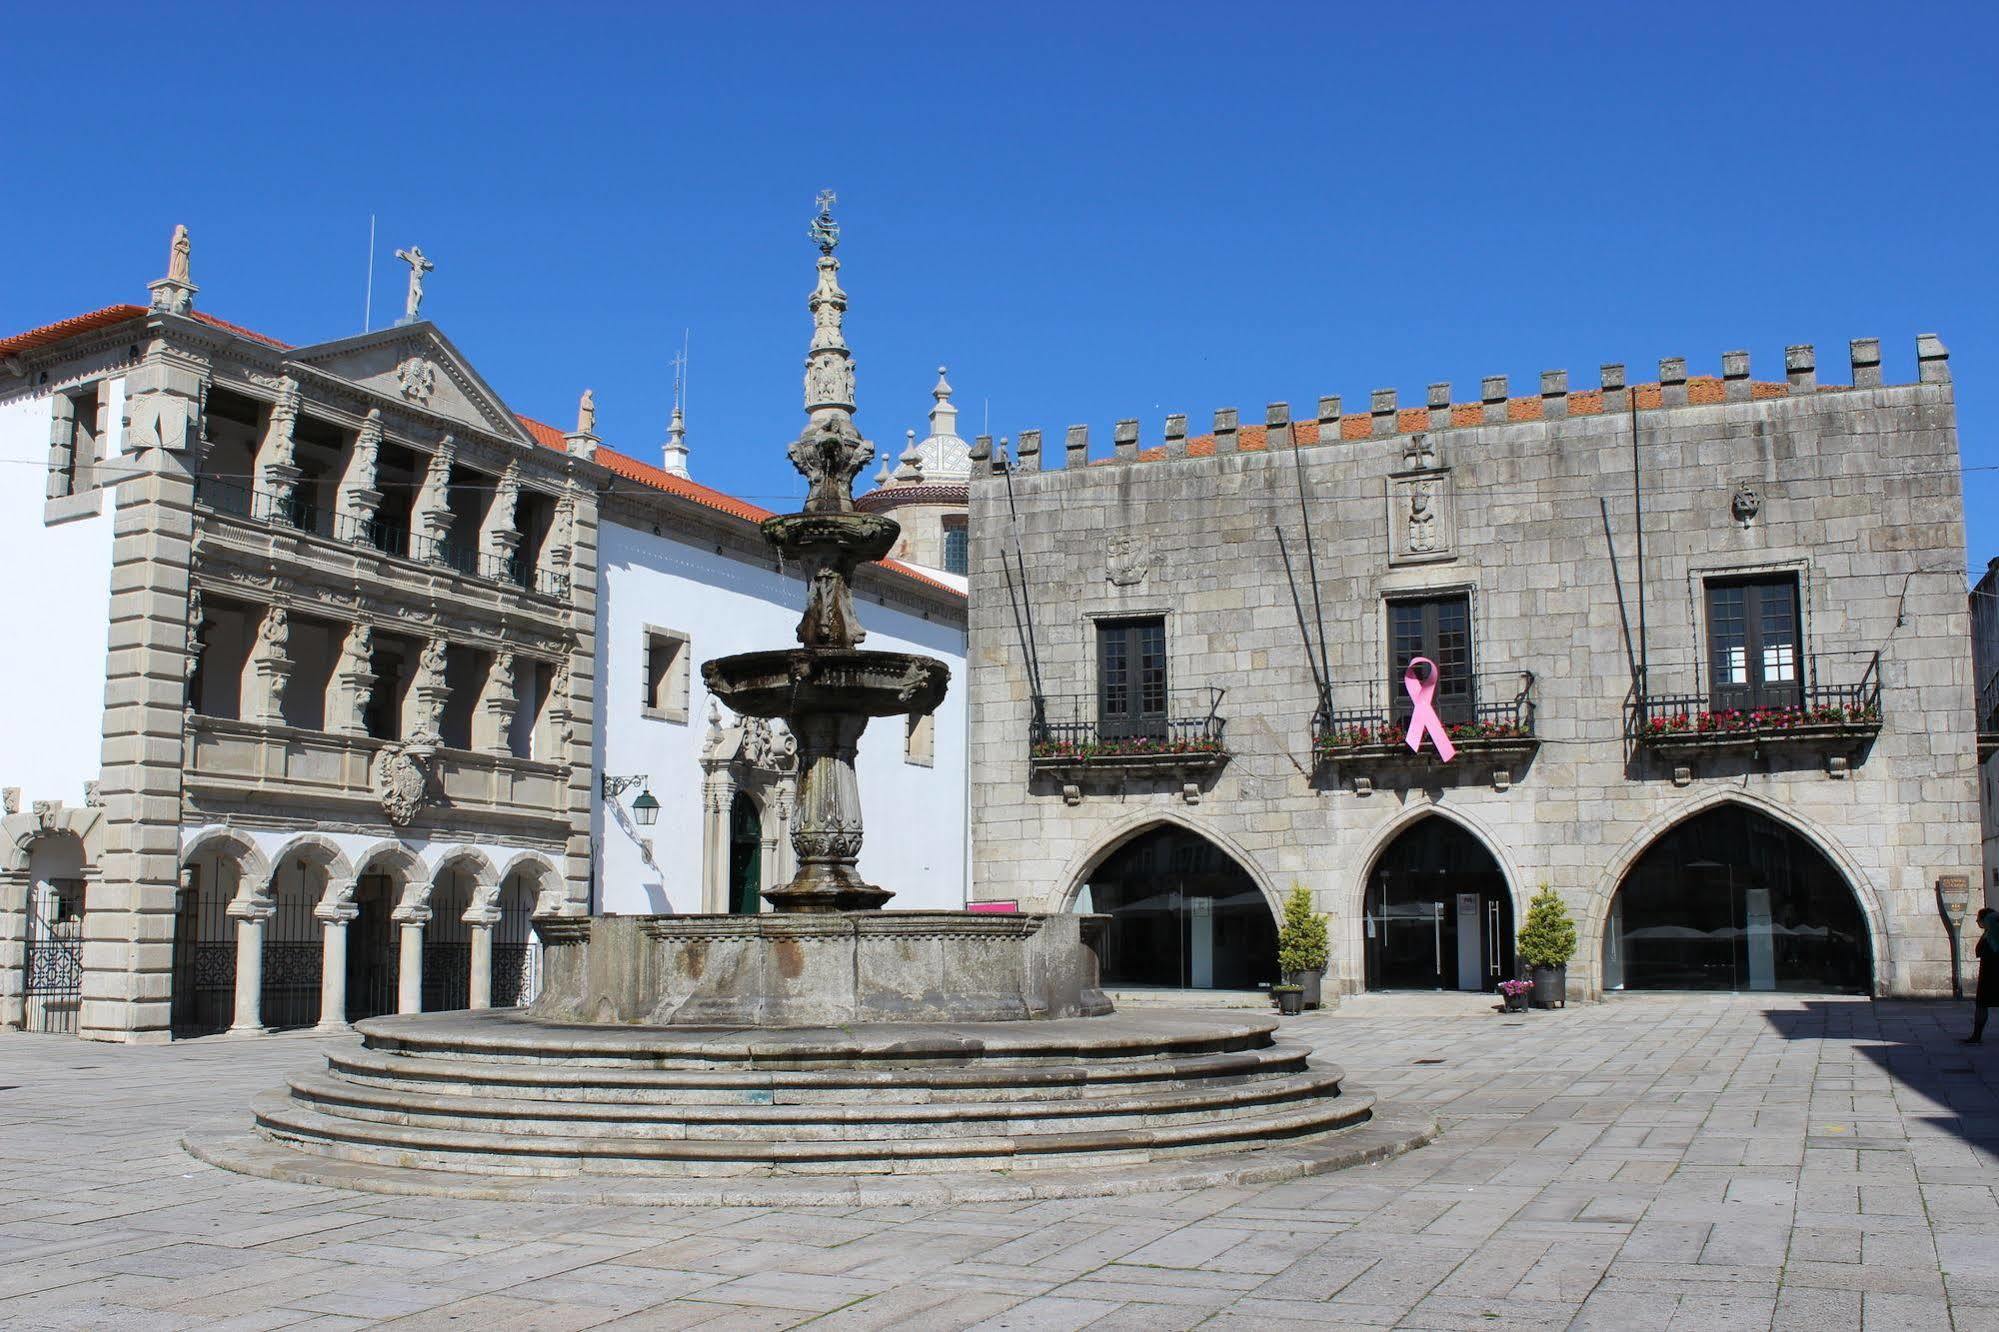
271, 667
335, 912
353, 683
431, 513
555, 552
497, 708
62, 445
428, 695
359, 499
409, 960
718, 793
250, 910
277, 461
500, 538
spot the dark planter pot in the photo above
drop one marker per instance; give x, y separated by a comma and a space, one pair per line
1516, 1003
1290, 1002
1310, 982
1551, 987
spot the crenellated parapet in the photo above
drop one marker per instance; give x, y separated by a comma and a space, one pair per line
1497, 403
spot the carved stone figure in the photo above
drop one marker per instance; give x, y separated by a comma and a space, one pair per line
179, 267
1422, 518
586, 413
402, 784
430, 665
194, 635
419, 265
417, 378
274, 634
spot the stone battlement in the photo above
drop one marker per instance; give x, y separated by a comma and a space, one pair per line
1386, 417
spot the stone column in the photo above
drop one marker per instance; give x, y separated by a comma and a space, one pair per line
482, 960
271, 667
431, 514
718, 790
428, 694
359, 499
250, 913
13, 946
277, 463
500, 538
497, 706
409, 962
334, 916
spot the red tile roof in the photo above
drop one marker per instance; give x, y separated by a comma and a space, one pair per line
62, 329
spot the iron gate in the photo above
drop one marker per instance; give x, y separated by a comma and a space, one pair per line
293, 956
447, 947
54, 989
372, 954
204, 996
516, 959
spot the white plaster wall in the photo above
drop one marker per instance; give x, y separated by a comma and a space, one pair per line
55, 588
915, 816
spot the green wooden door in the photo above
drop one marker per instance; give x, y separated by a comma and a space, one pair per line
746, 829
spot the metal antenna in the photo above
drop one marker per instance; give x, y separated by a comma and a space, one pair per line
368, 302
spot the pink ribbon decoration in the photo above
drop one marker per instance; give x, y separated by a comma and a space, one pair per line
1424, 719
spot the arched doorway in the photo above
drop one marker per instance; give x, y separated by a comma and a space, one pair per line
746, 835
372, 952
447, 943
293, 947
204, 983
516, 958
1183, 914
1438, 915
52, 990
1731, 899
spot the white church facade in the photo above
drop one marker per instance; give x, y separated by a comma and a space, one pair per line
338, 659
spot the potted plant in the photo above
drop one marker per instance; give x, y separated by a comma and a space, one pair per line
1547, 942
1290, 999
1301, 945
1515, 993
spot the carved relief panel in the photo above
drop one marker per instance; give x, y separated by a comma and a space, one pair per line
1422, 517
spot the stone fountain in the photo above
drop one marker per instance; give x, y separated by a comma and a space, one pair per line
828, 1050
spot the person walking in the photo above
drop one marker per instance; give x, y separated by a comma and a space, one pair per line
1986, 997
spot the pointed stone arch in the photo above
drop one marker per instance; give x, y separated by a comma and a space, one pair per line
1362, 866
1596, 917
1359, 873
1138, 823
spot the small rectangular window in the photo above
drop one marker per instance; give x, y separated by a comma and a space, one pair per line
667, 671
1131, 678
957, 552
919, 740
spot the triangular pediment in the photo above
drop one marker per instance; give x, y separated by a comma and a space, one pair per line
415, 365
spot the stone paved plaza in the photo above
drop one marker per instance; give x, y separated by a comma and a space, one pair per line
1715, 1163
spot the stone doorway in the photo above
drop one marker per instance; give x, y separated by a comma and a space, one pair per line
746, 832
1184, 915
1438, 913
1731, 899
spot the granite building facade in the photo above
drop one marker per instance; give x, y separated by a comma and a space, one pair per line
1700, 645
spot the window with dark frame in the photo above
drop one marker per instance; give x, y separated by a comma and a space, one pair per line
1131, 678
1755, 650
1438, 628
957, 554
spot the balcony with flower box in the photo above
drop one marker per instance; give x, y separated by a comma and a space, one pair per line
1070, 736
1497, 722
1811, 713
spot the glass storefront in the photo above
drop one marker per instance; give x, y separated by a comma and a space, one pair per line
1439, 916
1733, 900
1183, 914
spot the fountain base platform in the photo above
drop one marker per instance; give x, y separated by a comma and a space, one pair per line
500, 1104
821, 968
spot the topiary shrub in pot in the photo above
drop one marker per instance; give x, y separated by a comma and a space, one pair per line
1547, 942
1301, 945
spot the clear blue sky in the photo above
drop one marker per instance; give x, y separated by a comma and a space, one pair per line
1089, 211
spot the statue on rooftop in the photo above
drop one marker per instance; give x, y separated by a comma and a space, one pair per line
419, 265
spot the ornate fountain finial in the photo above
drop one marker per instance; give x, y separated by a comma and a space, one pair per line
824, 231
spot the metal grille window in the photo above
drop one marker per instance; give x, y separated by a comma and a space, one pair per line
1131, 678
1438, 628
1753, 642
957, 553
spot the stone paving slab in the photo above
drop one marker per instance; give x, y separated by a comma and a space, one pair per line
1714, 1162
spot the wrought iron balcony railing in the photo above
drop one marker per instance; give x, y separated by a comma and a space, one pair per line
1498, 718
1810, 710
1186, 732
240, 500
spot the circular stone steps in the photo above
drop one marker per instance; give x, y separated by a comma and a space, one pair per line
499, 1104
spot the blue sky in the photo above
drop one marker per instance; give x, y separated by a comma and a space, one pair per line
1089, 212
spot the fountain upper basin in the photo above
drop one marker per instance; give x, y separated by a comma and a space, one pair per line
841, 681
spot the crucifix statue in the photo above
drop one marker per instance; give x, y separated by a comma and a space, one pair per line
419, 265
